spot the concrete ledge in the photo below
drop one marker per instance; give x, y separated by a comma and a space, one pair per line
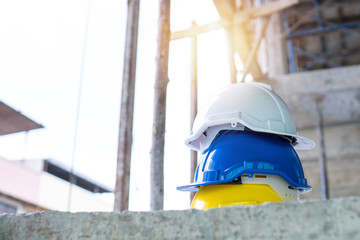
334, 219
318, 81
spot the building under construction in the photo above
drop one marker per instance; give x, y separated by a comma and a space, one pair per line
308, 51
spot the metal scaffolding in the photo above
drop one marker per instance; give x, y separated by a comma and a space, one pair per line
300, 27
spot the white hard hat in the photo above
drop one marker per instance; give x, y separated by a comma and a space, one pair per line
245, 105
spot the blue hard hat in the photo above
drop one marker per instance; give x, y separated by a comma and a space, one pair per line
235, 153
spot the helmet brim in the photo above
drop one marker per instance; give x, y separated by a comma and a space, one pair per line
194, 140
302, 188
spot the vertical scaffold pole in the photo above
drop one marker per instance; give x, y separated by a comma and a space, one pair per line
127, 108
159, 114
231, 53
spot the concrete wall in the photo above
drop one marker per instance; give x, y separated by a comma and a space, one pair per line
340, 107
333, 219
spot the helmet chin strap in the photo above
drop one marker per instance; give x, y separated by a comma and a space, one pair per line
291, 139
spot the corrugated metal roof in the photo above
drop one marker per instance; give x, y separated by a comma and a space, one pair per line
12, 121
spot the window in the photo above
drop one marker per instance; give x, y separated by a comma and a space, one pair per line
6, 208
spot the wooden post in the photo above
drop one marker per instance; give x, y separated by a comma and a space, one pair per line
161, 81
193, 107
127, 109
231, 53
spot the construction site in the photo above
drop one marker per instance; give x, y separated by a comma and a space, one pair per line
308, 51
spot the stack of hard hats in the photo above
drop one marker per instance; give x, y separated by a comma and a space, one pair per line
247, 139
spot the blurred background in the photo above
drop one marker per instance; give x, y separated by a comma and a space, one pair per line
61, 78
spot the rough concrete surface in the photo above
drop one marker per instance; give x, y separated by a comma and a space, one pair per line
333, 219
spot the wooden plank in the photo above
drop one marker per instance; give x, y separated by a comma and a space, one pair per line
270, 8
243, 46
225, 12
251, 59
127, 108
227, 8
241, 37
159, 112
193, 100
200, 29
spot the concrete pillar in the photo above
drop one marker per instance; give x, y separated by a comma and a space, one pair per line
277, 60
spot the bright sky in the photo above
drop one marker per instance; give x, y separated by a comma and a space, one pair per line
41, 51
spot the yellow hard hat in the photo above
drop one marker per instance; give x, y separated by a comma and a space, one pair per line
255, 190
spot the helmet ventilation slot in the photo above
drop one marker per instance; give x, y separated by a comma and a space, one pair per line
260, 176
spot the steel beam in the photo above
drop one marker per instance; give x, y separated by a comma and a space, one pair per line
319, 30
